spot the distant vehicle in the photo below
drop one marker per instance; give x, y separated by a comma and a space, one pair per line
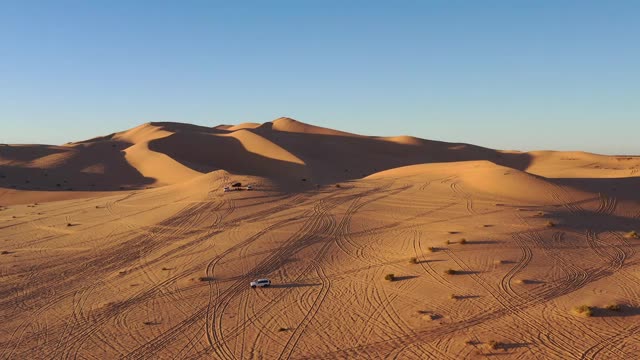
226, 189
260, 283
249, 187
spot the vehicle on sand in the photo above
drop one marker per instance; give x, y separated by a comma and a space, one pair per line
260, 283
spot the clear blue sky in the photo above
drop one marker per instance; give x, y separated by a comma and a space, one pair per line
507, 74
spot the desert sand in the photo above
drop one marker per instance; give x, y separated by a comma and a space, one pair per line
125, 246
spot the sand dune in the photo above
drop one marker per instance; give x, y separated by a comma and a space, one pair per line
158, 154
139, 254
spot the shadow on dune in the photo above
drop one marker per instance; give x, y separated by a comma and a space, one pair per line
332, 158
466, 297
204, 152
404, 277
621, 188
483, 242
596, 221
622, 311
83, 167
26, 153
466, 272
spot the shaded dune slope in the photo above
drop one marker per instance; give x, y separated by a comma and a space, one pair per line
284, 151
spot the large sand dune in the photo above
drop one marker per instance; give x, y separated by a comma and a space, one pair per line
125, 246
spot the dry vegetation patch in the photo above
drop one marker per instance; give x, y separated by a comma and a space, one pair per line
584, 310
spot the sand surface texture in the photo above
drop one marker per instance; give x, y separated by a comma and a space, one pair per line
125, 246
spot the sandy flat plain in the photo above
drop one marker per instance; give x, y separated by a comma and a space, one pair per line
125, 246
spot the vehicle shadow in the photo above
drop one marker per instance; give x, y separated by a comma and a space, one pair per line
290, 286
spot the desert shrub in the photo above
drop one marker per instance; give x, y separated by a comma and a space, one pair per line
493, 345
69, 224
4, 252
453, 296
584, 310
205, 278
389, 277
413, 260
431, 249
613, 307
633, 235
338, 185
551, 224
282, 329
463, 241
450, 272
447, 242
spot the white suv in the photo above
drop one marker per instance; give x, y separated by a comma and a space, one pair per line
260, 283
